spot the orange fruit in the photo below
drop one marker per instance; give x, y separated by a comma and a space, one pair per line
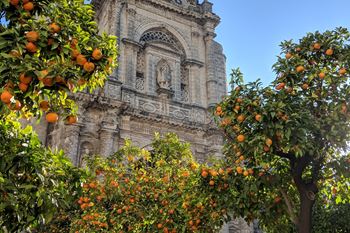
89, 67
342, 71
250, 171
239, 170
246, 173
280, 86
240, 118
239, 100
240, 138
54, 28
52, 117
23, 87
317, 46
305, 86
159, 226
81, 82
268, 142
59, 79
25, 79
6, 97
288, 55
300, 69
321, 75
81, 60
14, 2
237, 107
241, 157
72, 119
44, 105
204, 174
75, 53
211, 183
329, 52
15, 106
29, 6
32, 36
258, 117
266, 148
119, 211
298, 49
213, 173
97, 54
48, 82
31, 47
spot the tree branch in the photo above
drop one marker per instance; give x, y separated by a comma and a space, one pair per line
290, 207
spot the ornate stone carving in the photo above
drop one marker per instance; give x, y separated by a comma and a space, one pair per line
164, 75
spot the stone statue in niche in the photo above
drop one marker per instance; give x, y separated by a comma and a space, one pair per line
163, 75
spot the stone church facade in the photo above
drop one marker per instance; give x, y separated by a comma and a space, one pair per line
171, 73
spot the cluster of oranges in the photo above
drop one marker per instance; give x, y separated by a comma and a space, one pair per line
27, 5
301, 69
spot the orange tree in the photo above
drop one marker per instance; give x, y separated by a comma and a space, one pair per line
293, 134
35, 183
47, 50
157, 190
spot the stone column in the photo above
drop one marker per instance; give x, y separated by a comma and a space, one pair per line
211, 82
71, 142
107, 137
131, 49
196, 85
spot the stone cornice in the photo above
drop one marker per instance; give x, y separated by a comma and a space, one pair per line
200, 15
100, 101
166, 120
193, 62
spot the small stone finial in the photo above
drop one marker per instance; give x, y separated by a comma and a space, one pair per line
207, 6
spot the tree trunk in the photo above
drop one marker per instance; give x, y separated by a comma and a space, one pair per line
307, 201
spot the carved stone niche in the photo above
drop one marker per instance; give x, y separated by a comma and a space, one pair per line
86, 149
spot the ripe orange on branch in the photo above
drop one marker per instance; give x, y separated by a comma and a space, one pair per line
322, 75
52, 117
6, 97
240, 138
29, 6
89, 67
14, 2
31, 47
239, 170
81, 60
329, 52
32, 36
25, 79
258, 117
300, 69
288, 55
317, 46
342, 71
44, 105
97, 54
23, 87
54, 28
280, 86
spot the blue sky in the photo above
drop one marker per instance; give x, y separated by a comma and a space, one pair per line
251, 30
